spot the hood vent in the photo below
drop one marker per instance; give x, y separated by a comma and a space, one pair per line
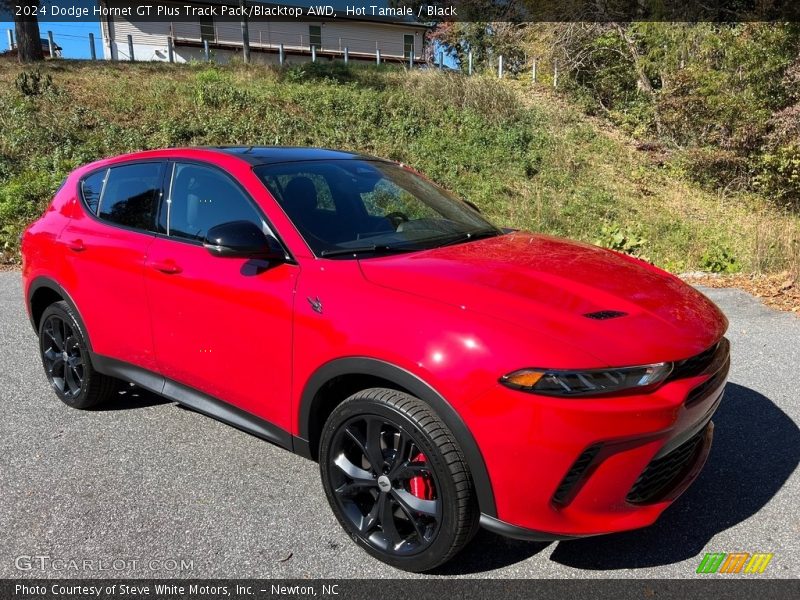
603, 315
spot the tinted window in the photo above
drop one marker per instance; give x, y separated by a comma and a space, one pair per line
91, 188
342, 204
200, 198
130, 195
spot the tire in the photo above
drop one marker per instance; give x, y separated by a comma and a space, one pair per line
418, 509
66, 360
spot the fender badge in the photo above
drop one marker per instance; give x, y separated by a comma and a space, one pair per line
315, 303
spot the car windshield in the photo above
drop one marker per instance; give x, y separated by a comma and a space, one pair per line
355, 207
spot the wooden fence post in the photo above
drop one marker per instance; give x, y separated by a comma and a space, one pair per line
51, 44
206, 51
533, 70
346, 55
130, 48
170, 49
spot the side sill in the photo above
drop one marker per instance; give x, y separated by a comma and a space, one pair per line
520, 533
302, 447
194, 399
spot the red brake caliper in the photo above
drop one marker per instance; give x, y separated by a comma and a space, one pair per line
421, 485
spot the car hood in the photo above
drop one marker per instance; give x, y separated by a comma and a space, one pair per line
547, 286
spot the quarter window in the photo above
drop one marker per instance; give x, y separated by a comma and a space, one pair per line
200, 198
92, 188
130, 194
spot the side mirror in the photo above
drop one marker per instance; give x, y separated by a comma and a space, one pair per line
242, 239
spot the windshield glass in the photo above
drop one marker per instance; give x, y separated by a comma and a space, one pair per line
369, 206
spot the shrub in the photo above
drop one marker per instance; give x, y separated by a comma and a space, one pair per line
718, 259
623, 240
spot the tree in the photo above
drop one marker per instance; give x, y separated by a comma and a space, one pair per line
29, 45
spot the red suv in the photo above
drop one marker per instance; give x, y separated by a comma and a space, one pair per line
444, 372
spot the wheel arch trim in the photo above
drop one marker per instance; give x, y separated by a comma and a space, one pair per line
416, 386
47, 282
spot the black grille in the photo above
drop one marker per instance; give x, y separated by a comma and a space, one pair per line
568, 487
701, 391
694, 365
602, 315
661, 475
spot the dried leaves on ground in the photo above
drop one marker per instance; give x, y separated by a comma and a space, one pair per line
779, 290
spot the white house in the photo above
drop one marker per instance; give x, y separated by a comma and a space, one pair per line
361, 37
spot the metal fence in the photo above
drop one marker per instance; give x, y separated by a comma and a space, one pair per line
184, 40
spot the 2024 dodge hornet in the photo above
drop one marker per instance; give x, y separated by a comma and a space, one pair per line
444, 372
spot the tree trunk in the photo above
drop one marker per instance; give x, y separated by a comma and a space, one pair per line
643, 81
29, 45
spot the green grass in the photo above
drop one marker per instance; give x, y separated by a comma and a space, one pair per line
528, 160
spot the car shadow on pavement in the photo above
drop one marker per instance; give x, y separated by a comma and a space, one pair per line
756, 448
130, 396
487, 552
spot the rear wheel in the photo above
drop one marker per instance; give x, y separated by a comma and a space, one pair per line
65, 356
396, 479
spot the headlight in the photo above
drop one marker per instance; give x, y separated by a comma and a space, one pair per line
592, 382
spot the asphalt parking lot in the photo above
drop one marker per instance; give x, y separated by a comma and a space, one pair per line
146, 482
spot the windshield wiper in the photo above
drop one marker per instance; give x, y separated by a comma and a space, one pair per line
470, 236
373, 249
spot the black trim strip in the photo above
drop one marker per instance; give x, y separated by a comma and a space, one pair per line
192, 398
46, 282
521, 533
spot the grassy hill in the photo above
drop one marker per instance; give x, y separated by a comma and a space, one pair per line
527, 158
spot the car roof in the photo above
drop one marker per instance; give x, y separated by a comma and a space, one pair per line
252, 155
265, 155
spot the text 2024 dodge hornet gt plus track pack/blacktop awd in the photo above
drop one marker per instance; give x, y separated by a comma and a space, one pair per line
445, 373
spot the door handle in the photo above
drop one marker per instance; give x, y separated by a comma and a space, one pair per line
167, 266
76, 245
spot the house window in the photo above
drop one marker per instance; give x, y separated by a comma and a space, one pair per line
207, 31
315, 37
408, 45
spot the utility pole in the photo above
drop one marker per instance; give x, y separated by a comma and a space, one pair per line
245, 35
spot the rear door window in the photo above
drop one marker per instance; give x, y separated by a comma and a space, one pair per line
130, 195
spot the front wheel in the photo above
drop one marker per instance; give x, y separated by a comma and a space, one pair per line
396, 479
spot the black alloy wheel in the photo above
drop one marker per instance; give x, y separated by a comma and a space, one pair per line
62, 357
396, 480
66, 360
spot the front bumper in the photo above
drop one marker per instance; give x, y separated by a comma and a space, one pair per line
563, 468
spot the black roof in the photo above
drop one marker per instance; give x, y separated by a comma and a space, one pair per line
265, 155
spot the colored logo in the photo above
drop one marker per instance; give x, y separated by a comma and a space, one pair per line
734, 562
